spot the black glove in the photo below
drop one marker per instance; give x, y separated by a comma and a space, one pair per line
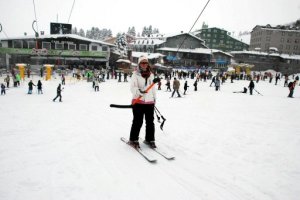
156, 80
142, 92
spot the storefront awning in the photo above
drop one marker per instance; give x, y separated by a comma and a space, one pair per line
71, 58
100, 59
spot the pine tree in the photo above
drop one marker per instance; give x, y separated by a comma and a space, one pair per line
74, 31
81, 32
144, 32
149, 31
121, 44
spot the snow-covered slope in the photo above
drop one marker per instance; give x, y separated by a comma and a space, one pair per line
228, 146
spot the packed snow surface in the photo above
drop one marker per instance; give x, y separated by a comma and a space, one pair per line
228, 146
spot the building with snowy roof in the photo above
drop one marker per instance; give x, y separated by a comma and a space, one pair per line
216, 38
182, 49
285, 38
58, 49
284, 63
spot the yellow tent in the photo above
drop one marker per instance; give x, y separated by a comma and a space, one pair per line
48, 71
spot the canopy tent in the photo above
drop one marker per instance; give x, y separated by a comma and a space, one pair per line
271, 71
230, 69
162, 67
123, 60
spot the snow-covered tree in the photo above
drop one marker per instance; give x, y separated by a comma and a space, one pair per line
121, 43
74, 31
131, 31
147, 31
97, 34
81, 32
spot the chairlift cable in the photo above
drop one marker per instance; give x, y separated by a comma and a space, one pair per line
1, 30
4, 33
37, 28
71, 11
192, 26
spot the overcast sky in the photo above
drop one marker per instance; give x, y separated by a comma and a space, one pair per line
16, 16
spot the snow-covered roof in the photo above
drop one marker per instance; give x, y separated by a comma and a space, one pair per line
147, 41
197, 50
55, 36
173, 35
136, 54
152, 36
285, 56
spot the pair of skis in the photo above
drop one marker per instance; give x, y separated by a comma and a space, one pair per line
148, 157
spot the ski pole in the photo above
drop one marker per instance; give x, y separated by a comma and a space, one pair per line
258, 92
158, 118
164, 119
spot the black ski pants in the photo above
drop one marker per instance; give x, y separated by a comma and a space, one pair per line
291, 93
175, 90
58, 95
139, 111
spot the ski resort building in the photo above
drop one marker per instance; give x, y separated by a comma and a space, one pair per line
57, 49
182, 49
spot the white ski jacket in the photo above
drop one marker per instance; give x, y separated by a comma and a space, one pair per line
139, 83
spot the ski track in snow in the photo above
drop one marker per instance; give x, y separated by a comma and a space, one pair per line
227, 146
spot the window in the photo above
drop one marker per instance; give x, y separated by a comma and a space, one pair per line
83, 47
282, 40
287, 47
46, 45
295, 47
94, 48
72, 46
59, 46
17, 44
31, 44
268, 39
104, 48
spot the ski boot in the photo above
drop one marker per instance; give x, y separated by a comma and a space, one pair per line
135, 144
150, 144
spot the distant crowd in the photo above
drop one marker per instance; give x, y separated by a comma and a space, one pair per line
96, 76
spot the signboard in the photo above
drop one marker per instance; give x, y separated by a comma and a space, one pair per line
50, 52
59, 28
